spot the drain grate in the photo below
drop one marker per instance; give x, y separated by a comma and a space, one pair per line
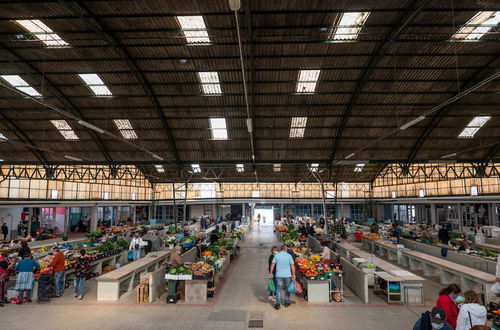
228, 315
256, 324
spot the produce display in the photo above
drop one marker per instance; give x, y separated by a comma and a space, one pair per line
291, 236
315, 269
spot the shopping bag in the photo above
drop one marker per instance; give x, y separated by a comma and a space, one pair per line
299, 287
495, 288
291, 287
270, 285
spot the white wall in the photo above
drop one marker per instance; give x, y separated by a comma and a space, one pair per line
5, 216
199, 210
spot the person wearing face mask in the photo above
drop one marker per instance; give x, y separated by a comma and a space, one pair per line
274, 251
446, 301
433, 320
472, 312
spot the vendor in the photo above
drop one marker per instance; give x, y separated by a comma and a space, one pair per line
325, 255
374, 227
24, 250
175, 257
464, 243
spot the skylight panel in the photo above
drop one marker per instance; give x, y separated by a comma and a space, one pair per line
486, 18
65, 130
196, 168
277, 167
218, 128
314, 167
240, 168
194, 29
95, 83
20, 84
43, 33
350, 26
474, 126
307, 81
359, 167
298, 127
210, 83
126, 129
159, 168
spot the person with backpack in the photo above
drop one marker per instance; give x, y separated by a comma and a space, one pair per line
471, 313
82, 271
433, 320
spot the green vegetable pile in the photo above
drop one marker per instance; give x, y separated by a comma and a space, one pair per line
291, 236
181, 270
122, 243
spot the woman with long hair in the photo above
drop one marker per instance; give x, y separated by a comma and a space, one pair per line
446, 301
472, 312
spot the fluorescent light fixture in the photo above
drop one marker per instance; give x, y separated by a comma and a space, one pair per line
473, 191
194, 29
249, 125
255, 194
240, 168
95, 83
106, 195
421, 193
473, 127
307, 81
1, 160
350, 155
125, 129
159, 168
156, 156
92, 127
210, 83
219, 128
196, 168
133, 196
73, 158
350, 25
359, 167
20, 84
411, 123
393, 194
3, 137
449, 155
43, 33
277, 167
474, 32
65, 130
314, 167
298, 127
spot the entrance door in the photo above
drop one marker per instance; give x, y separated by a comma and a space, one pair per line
266, 215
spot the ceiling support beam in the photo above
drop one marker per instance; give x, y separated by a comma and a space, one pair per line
85, 14
380, 52
440, 114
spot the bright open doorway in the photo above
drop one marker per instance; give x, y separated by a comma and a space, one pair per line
266, 215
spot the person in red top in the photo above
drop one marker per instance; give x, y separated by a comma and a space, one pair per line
446, 301
57, 265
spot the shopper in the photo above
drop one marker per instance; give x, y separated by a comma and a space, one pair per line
258, 218
285, 273
472, 312
290, 247
444, 235
25, 277
175, 257
5, 267
433, 320
136, 246
24, 250
374, 227
57, 265
274, 251
82, 271
5, 231
446, 301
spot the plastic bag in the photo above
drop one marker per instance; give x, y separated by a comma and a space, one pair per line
495, 288
291, 287
270, 285
298, 287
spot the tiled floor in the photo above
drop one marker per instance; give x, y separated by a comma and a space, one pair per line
242, 298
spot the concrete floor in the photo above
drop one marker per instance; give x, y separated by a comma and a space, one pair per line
239, 299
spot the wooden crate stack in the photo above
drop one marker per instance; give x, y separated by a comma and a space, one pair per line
142, 292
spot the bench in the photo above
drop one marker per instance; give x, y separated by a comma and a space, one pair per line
109, 285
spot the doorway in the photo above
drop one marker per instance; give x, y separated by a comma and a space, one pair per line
266, 215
